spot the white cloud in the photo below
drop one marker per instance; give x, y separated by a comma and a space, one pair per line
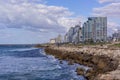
71, 22
106, 1
110, 10
31, 15
113, 27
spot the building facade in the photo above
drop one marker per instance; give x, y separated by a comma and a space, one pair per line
74, 35
77, 34
52, 41
116, 36
59, 39
95, 29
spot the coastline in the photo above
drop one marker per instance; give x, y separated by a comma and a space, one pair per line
104, 62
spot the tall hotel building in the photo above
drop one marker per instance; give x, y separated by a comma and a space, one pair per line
95, 28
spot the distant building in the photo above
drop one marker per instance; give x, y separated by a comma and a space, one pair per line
59, 39
77, 36
95, 29
109, 39
70, 35
66, 38
52, 41
116, 36
74, 35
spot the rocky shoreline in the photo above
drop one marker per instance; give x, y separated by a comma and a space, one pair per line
99, 64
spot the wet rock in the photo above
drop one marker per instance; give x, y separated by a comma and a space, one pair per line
71, 62
80, 71
90, 74
61, 62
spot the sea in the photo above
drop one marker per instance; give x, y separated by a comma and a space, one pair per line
25, 62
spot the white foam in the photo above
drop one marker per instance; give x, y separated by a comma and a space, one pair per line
25, 49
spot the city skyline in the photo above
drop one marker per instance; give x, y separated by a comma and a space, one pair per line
36, 21
95, 28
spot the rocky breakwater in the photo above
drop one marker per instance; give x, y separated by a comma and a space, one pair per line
99, 64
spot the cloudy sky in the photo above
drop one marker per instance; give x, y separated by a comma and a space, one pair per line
36, 21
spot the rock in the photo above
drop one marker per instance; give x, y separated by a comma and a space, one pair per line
105, 77
102, 64
95, 60
90, 74
71, 62
99, 63
61, 62
80, 71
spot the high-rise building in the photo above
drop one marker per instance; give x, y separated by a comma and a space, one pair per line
95, 29
116, 36
77, 34
74, 35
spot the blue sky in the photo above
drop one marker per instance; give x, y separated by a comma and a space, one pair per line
36, 21
79, 7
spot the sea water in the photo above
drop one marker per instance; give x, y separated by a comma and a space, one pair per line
20, 62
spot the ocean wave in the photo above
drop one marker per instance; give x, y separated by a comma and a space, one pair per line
32, 64
24, 49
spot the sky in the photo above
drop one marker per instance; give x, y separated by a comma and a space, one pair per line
37, 21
